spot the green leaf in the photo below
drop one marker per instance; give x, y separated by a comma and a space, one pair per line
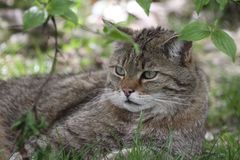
34, 17
71, 16
58, 7
43, 1
195, 31
222, 3
224, 43
112, 32
145, 4
199, 4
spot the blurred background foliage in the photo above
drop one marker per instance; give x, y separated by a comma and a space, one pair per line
83, 48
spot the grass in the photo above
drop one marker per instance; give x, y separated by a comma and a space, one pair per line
225, 104
225, 147
224, 119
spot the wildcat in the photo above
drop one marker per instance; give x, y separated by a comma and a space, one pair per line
162, 86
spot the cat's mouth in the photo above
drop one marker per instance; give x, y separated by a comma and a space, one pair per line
131, 102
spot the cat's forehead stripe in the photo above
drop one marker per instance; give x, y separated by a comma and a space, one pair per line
146, 35
124, 61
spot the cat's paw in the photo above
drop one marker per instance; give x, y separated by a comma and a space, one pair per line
124, 153
16, 156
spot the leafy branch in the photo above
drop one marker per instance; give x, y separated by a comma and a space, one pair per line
30, 124
145, 4
198, 30
113, 33
56, 51
43, 9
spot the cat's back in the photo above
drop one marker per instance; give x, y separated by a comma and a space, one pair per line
21, 93
52, 97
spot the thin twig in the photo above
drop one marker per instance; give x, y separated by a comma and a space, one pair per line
37, 98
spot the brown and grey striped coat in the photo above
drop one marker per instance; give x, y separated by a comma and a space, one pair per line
163, 81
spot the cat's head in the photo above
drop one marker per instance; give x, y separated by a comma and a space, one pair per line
160, 77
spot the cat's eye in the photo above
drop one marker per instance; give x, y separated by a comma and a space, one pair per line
119, 71
149, 74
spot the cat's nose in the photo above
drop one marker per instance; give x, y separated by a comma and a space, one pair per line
127, 92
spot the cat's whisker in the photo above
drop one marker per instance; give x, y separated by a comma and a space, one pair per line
180, 95
99, 89
101, 98
168, 101
187, 98
108, 95
107, 89
96, 102
145, 96
171, 98
103, 90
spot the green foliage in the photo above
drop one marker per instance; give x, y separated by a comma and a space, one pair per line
41, 63
198, 30
44, 153
34, 17
58, 7
225, 103
48, 153
113, 33
229, 93
39, 13
199, 4
28, 126
62, 8
224, 43
222, 3
195, 31
70, 16
145, 4
144, 150
225, 147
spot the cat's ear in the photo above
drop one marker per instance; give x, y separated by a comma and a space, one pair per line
126, 30
178, 51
